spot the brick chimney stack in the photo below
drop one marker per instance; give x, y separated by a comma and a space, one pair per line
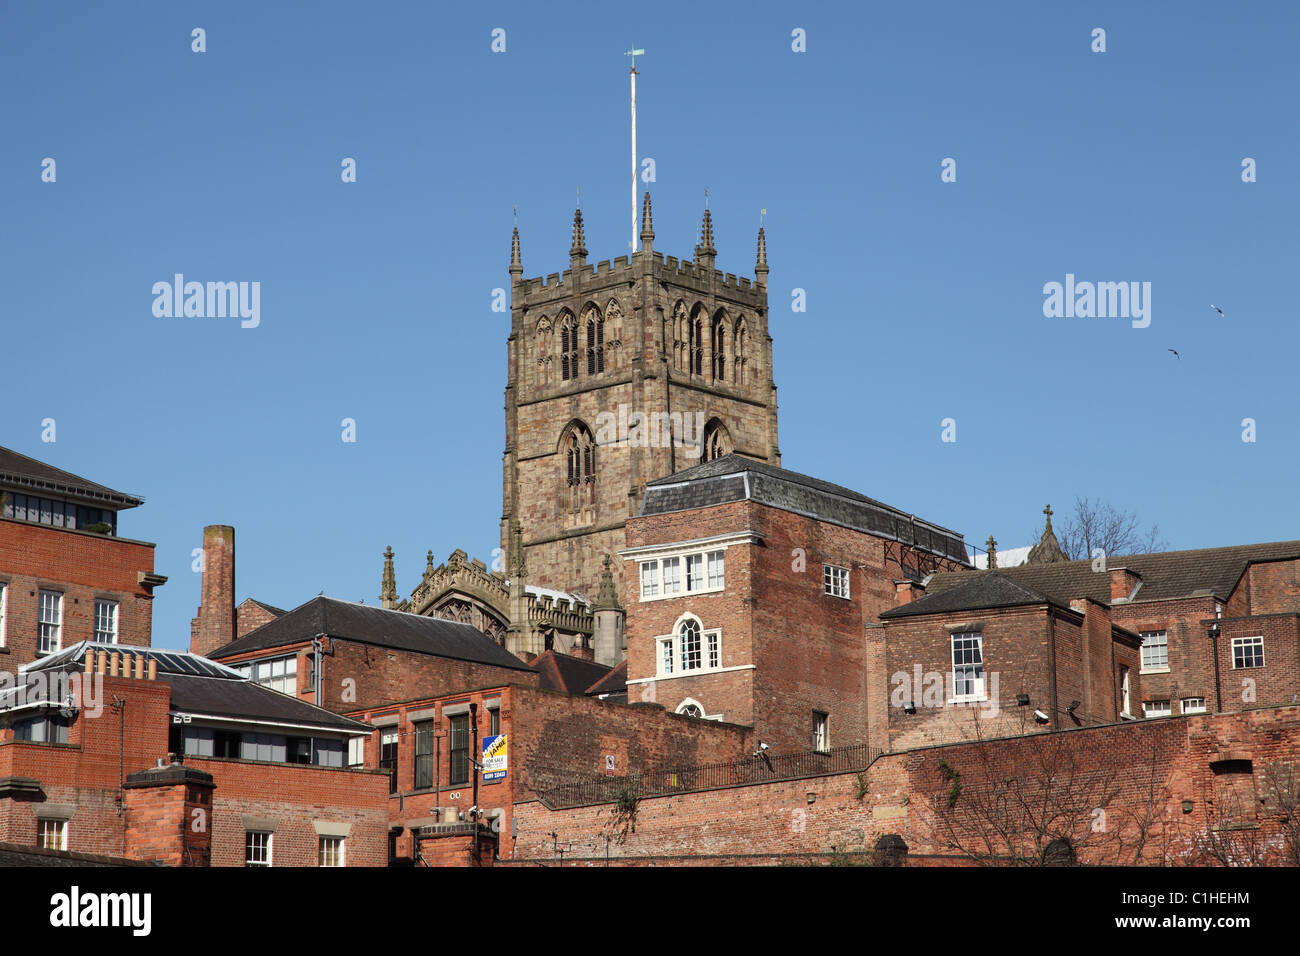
214, 626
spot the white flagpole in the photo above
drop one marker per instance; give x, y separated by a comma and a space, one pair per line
635, 231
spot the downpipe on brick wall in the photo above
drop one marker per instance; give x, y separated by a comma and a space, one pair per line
119, 705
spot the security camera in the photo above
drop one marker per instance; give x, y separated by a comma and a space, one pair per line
762, 746
1041, 717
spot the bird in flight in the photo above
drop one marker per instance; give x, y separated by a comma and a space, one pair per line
1175, 354
1217, 309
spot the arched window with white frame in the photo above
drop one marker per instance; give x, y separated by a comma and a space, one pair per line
689, 648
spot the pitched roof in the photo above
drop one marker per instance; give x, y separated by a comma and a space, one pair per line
202, 686
19, 471
236, 699
568, 674
977, 590
271, 608
1165, 575
615, 682
399, 630
736, 478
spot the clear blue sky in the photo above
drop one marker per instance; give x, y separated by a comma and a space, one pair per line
924, 298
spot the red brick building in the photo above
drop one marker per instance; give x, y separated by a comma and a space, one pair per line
752, 589
1218, 626
439, 753
992, 657
365, 656
65, 574
161, 755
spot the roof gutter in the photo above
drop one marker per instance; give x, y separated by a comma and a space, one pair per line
228, 719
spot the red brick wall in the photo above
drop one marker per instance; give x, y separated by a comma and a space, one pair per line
85, 774
410, 807
169, 824
1271, 588
295, 796
1191, 656
1143, 776
804, 649
381, 675
553, 738
1017, 653
83, 566
249, 616
1277, 682
214, 626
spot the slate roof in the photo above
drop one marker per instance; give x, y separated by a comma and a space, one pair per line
568, 674
366, 624
736, 478
1165, 575
236, 699
615, 682
14, 854
980, 590
19, 471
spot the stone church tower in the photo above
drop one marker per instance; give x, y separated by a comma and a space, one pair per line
620, 373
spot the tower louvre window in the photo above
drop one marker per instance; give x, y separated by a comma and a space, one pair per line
595, 343
580, 467
568, 349
719, 348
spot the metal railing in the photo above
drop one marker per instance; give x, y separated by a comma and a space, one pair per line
763, 767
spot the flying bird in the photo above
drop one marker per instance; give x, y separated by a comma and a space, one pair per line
1217, 309
1175, 354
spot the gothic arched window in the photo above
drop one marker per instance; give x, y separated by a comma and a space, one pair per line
681, 338
716, 441
595, 342
544, 343
696, 358
739, 354
568, 348
720, 347
579, 450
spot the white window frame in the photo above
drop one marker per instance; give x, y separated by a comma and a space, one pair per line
356, 756
270, 848
1243, 643
4, 596
48, 826
111, 619
669, 650
1194, 708
976, 682
1152, 709
273, 681
670, 576
56, 625
821, 731
1124, 688
320, 850
1155, 668
833, 582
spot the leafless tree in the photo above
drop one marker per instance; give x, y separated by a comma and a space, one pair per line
1099, 524
1013, 802
1264, 831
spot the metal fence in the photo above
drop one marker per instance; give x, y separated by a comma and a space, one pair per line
763, 767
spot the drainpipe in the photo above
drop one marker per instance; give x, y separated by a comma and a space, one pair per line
119, 705
437, 765
1214, 646
1051, 645
474, 768
318, 684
